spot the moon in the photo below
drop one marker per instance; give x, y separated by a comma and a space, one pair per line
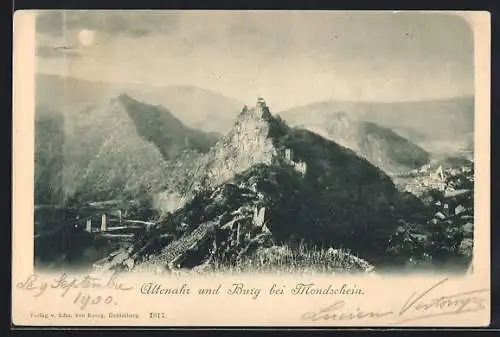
86, 37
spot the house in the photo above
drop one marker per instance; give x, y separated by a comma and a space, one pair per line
439, 173
301, 167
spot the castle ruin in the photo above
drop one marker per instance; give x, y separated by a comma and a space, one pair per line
261, 109
298, 165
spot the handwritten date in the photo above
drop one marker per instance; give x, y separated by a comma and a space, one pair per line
65, 284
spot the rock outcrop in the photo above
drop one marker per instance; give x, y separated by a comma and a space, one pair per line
266, 184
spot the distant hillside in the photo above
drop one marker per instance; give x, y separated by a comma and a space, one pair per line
196, 107
434, 125
199, 108
381, 146
118, 150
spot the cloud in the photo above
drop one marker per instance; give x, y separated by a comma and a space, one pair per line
349, 56
278, 34
54, 52
130, 23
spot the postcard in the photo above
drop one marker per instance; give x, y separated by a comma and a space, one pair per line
257, 168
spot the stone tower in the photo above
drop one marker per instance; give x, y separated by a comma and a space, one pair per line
261, 109
104, 225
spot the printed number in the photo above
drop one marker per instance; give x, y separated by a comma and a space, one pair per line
157, 315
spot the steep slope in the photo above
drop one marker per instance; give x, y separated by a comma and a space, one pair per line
49, 135
120, 149
157, 125
265, 183
106, 158
381, 146
390, 151
432, 124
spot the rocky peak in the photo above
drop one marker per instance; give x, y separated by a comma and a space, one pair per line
332, 175
259, 112
246, 144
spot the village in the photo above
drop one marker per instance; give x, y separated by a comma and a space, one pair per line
429, 177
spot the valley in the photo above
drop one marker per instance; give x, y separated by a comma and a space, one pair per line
126, 185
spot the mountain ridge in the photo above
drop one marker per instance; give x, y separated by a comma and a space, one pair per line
425, 123
309, 188
168, 130
381, 146
122, 148
196, 107
215, 112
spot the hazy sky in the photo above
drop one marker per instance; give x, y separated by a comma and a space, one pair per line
290, 58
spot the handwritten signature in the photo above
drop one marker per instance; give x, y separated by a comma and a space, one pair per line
66, 284
418, 306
